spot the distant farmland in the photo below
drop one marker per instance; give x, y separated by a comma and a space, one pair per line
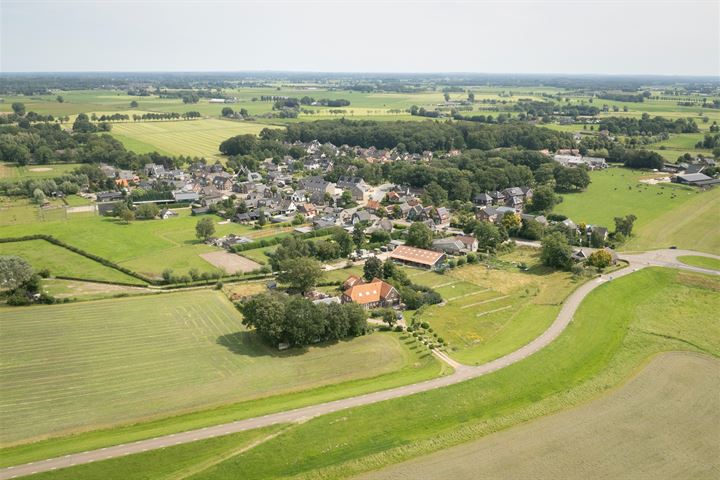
87, 365
199, 138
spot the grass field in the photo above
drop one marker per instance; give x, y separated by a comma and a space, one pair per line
80, 290
197, 138
694, 225
490, 312
664, 409
700, 261
616, 330
63, 262
12, 171
95, 364
146, 247
689, 220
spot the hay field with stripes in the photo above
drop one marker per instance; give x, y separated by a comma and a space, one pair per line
199, 138
77, 367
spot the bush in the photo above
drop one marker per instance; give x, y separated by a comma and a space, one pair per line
219, 286
398, 328
44, 273
425, 325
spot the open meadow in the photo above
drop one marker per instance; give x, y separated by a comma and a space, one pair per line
78, 367
614, 333
667, 214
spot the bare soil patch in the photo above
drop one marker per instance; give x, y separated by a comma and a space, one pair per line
40, 169
231, 262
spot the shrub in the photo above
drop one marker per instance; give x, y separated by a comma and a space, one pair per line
425, 325
398, 328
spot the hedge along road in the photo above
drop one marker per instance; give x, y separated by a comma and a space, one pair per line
661, 258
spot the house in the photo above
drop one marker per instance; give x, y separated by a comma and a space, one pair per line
442, 216
317, 184
417, 257
448, 245
106, 208
181, 196
102, 197
356, 186
307, 209
580, 255
483, 199
166, 213
375, 293
363, 216
469, 242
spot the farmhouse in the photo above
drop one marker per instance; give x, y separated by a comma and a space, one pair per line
370, 294
417, 257
696, 179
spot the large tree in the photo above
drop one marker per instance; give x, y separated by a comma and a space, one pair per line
301, 273
373, 268
544, 199
556, 251
204, 228
489, 236
419, 235
14, 272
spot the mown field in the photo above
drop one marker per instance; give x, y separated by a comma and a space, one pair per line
62, 262
196, 138
15, 172
667, 214
615, 331
664, 409
147, 247
700, 261
89, 365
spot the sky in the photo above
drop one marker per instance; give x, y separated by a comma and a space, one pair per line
514, 36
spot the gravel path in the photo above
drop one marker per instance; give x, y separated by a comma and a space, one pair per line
663, 258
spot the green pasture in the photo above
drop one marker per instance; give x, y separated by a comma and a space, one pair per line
79, 367
12, 171
62, 262
614, 333
145, 246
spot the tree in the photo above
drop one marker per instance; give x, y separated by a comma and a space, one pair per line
358, 234
227, 112
489, 236
435, 195
147, 211
14, 272
19, 109
344, 241
373, 268
204, 228
346, 199
625, 224
60, 99
124, 213
570, 179
544, 199
531, 229
511, 223
134, 104
39, 196
301, 273
446, 96
419, 235
266, 313
262, 219
380, 236
556, 251
389, 316
600, 259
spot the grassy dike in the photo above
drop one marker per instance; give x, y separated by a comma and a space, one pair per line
615, 332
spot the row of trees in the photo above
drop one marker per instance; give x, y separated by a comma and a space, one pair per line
647, 125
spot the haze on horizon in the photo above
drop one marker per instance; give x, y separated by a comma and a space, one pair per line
637, 37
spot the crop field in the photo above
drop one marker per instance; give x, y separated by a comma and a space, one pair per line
614, 333
197, 138
146, 247
94, 364
488, 312
664, 409
62, 262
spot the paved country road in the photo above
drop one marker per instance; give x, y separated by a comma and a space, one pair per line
663, 258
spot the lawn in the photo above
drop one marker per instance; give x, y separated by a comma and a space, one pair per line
664, 409
12, 171
62, 262
699, 261
615, 331
197, 138
79, 367
489, 312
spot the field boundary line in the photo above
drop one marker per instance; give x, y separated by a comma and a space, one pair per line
485, 301
468, 294
494, 311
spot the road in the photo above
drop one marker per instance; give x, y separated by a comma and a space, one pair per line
637, 261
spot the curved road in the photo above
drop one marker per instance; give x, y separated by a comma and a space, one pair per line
662, 258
